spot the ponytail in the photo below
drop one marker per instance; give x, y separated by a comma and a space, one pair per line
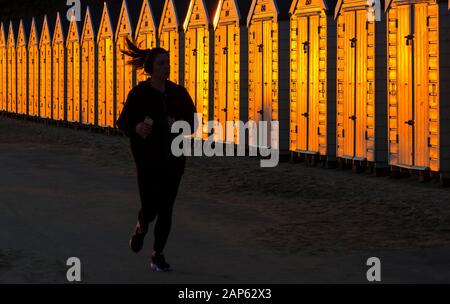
142, 58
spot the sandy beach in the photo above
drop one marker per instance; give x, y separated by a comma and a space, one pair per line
68, 192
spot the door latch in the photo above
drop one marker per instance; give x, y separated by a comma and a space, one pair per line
306, 47
409, 39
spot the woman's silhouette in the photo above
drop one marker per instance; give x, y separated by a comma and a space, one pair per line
149, 112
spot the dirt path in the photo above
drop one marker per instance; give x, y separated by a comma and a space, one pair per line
73, 193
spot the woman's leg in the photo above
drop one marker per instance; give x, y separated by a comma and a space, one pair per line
165, 208
149, 193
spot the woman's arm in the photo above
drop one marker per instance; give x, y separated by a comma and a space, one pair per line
127, 120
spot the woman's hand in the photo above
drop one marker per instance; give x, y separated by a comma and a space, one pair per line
143, 129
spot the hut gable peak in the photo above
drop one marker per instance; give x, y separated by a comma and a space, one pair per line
33, 40
227, 10
313, 4
45, 34
169, 16
146, 20
173, 15
197, 14
260, 8
88, 26
361, 3
124, 26
11, 37
388, 4
106, 27
73, 34
58, 36
22, 37
2, 36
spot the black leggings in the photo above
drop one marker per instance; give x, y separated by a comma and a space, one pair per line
158, 190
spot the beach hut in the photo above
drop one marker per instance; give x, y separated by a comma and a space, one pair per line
22, 68
3, 69
45, 69
106, 70
313, 80
418, 86
171, 36
59, 68
230, 66
73, 75
33, 68
199, 54
147, 28
268, 83
12, 67
361, 86
125, 78
89, 64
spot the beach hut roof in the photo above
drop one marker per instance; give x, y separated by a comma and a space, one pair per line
26, 27
282, 7
13, 29
243, 7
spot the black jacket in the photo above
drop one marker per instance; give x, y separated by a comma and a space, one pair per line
142, 101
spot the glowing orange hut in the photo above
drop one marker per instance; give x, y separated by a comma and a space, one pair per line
313, 80
171, 36
58, 68
89, 65
22, 68
124, 72
230, 66
33, 68
418, 86
147, 28
3, 69
106, 59
361, 95
268, 26
12, 68
199, 51
73, 75
45, 68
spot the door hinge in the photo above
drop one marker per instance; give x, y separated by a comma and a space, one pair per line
318, 130
396, 138
429, 142
296, 129
343, 132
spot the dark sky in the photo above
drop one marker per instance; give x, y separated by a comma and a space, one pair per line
16, 9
